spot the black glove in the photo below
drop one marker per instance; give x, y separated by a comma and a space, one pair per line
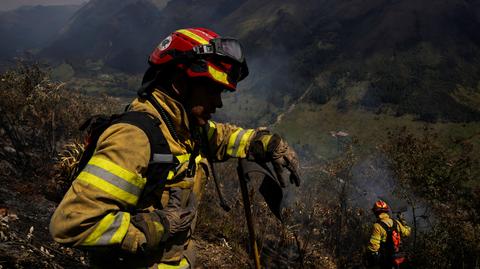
267, 147
161, 224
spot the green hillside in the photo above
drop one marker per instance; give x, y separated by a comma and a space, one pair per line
310, 126
417, 57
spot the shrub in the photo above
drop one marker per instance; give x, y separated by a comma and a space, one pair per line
445, 177
37, 117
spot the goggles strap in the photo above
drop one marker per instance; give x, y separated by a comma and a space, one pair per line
204, 49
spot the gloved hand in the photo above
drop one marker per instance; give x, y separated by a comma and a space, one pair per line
133, 240
160, 225
267, 147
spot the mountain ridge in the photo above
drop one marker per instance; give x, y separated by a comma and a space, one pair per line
31, 27
418, 57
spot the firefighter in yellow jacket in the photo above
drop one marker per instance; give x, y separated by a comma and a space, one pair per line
104, 212
383, 247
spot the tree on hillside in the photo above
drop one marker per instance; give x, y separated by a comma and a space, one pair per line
446, 178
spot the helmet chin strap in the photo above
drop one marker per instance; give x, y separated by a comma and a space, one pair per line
179, 88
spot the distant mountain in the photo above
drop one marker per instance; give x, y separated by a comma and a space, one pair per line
123, 33
31, 27
14, 4
419, 57
118, 32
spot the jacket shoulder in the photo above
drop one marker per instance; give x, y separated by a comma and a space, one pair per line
126, 145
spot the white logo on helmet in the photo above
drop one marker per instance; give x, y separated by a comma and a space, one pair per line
165, 43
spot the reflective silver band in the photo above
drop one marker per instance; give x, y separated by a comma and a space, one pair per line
112, 229
113, 179
237, 142
162, 158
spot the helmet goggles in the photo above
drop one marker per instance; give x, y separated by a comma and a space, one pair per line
223, 47
225, 50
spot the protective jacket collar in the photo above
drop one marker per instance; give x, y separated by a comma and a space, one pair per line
174, 110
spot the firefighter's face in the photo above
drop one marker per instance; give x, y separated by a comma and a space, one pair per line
203, 98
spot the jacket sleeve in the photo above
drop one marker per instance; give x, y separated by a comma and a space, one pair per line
405, 230
377, 234
227, 140
94, 212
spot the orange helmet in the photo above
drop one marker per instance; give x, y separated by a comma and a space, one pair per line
203, 53
380, 207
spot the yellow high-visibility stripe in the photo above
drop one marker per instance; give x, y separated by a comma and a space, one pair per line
183, 158
119, 171
186, 157
265, 140
211, 129
108, 188
183, 264
241, 152
218, 75
231, 141
193, 36
112, 179
120, 233
102, 226
106, 228
170, 175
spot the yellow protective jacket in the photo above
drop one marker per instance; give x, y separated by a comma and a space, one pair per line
95, 212
379, 235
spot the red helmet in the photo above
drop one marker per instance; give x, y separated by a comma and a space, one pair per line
380, 207
203, 53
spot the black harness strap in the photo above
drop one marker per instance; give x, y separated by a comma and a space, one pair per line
162, 160
149, 125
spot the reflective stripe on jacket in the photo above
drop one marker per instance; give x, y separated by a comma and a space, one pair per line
96, 210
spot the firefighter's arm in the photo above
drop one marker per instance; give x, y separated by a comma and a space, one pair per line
377, 234
258, 145
94, 210
405, 230
227, 140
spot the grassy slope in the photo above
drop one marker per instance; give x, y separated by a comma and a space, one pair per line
311, 124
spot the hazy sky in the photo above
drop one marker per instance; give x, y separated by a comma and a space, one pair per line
12, 4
